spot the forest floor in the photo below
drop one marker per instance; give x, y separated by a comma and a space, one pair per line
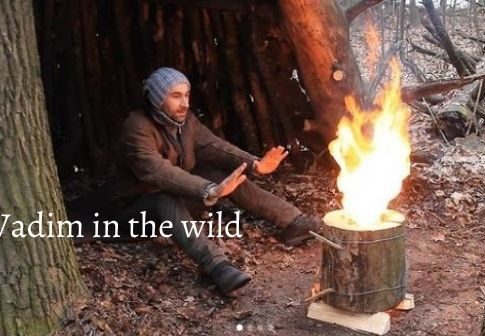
150, 288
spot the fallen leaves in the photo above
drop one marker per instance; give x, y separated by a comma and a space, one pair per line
438, 237
151, 288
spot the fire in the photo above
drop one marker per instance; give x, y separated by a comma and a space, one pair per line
372, 149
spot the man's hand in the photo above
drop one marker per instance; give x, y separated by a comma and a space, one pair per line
270, 161
229, 184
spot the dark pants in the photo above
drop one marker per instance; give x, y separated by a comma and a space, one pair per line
161, 207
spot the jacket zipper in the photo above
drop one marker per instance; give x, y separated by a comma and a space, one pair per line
176, 142
180, 146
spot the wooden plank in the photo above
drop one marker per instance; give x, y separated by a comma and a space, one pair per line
407, 303
377, 324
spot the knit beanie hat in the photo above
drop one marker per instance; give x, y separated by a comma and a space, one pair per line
156, 88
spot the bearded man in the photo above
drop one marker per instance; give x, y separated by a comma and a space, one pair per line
172, 159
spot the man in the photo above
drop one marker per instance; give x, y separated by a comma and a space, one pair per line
172, 158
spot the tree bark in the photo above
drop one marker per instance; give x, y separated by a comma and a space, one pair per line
39, 277
413, 13
239, 90
368, 272
275, 63
319, 32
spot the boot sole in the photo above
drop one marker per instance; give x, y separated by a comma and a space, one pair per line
240, 281
298, 240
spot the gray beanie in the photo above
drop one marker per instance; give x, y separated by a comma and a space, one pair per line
158, 85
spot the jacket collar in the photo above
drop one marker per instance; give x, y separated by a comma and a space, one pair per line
162, 118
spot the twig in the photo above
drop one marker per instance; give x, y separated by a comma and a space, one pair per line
383, 64
360, 7
433, 40
436, 121
475, 108
482, 289
402, 20
412, 65
476, 39
429, 52
418, 106
325, 240
320, 294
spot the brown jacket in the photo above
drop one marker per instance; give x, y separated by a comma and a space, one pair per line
155, 159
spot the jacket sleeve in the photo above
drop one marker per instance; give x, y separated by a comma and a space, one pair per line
212, 149
143, 159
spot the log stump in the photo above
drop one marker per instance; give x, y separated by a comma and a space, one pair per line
368, 272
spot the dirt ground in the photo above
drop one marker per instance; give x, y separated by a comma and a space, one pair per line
150, 288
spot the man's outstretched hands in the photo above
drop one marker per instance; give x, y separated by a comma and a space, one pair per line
268, 164
270, 161
228, 185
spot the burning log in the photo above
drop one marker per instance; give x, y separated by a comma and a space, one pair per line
368, 273
364, 264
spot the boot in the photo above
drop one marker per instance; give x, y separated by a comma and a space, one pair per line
298, 230
228, 278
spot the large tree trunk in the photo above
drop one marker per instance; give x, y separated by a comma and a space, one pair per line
39, 278
319, 31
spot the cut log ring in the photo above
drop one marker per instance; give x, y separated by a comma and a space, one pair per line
369, 273
338, 75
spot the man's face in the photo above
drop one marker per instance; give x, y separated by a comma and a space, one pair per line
176, 105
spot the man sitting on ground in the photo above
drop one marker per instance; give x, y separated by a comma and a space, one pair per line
170, 157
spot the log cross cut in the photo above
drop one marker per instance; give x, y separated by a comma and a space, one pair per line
362, 270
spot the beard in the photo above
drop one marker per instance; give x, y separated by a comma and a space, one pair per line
181, 114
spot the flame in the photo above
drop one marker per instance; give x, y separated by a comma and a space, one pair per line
373, 40
372, 149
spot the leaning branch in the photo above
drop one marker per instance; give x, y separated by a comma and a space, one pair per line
358, 8
444, 39
384, 62
429, 52
410, 93
473, 38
